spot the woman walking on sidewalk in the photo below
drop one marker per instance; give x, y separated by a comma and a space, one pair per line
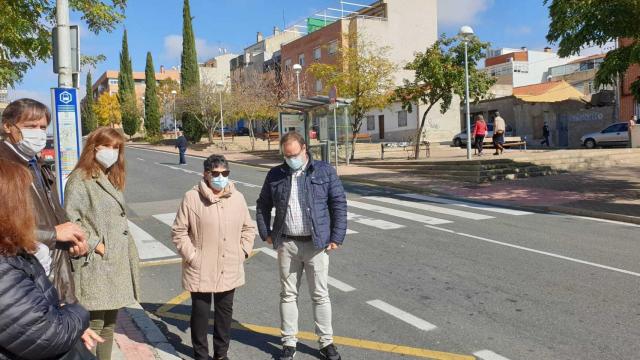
479, 132
214, 234
107, 278
34, 324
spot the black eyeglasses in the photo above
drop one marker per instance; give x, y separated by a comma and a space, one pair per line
215, 174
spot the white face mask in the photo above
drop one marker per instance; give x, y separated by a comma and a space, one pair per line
107, 157
33, 141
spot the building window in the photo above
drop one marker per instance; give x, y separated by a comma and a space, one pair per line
301, 59
333, 47
371, 123
317, 53
113, 81
318, 85
402, 118
287, 65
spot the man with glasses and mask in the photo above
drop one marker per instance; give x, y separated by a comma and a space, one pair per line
310, 222
24, 125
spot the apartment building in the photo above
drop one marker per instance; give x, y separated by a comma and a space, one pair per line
580, 73
217, 69
629, 106
4, 99
108, 81
405, 27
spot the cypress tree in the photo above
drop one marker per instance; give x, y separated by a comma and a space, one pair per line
126, 91
189, 74
89, 120
151, 103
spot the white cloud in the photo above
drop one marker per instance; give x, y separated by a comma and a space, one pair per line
461, 12
173, 49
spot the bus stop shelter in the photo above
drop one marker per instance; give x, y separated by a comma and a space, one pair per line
320, 118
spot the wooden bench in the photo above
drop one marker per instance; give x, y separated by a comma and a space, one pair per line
218, 135
272, 135
509, 141
408, 147
359, 136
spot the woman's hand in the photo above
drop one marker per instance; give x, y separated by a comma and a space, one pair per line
91, 339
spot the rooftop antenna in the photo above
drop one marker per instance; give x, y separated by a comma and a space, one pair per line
284, 23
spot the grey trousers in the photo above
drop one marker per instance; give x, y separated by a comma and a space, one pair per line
294, 258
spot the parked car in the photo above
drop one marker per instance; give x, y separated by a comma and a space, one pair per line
48, 154
613, 135
243, 131
460, 139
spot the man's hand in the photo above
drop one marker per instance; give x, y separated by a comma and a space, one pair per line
80, 249
332, 246
100, 249
70, 232
91, 339
269, 240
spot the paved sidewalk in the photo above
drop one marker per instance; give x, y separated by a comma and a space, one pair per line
612, 193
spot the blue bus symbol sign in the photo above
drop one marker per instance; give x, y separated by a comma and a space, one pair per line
65, 97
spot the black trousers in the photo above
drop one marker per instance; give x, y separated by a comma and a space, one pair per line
479, 143
182, 159
222, 316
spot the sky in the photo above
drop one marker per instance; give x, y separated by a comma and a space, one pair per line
156, 26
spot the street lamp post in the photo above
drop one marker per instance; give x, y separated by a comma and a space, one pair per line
297, 68
466, 32
175, 123
220, 86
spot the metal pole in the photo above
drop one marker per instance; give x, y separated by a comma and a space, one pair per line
221, 119
175, 121
466, 73
298, 83
63, 51
335, 134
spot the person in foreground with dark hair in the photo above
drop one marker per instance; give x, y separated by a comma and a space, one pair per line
214, 233
310, 222
33, 323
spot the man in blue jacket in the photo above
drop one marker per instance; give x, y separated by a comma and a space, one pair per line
181, 144
310, 222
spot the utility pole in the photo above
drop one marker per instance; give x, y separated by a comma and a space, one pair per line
63, 50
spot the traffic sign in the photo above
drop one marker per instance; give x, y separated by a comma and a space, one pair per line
66, 133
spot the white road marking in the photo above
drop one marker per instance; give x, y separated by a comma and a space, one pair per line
431, 208
398, 213
376, 223
466, 204
554, 255
332, 281
193, 172
402, 315
166, 218
441, 229
273, 213
489, 355
141, 159
603, 220
148, 246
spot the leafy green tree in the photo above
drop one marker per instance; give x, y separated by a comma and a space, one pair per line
130, 116
363, 73
107, 110
127, 92
189, 75
26, 31
440, 74
151, 100
89, 119
576, 24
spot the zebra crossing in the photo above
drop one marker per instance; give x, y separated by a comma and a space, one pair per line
365, 212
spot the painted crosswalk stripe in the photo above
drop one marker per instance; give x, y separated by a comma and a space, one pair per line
430, 208
489, 355
376, 223
398, 213
167, 218
148, 246
402, 315
488, 208
273, 213
332, 281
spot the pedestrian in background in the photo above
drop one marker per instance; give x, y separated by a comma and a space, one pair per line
214, 233
310, 222
479, 132
34, 324
24, 124
633, 122
546, 132
499, 127
181, 145
107, 278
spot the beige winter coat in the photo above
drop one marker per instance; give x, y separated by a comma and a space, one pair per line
214, 235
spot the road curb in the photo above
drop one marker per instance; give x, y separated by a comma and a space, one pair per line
161, 347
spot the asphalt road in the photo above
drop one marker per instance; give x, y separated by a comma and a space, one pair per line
416, 278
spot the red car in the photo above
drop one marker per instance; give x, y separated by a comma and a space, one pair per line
48, 154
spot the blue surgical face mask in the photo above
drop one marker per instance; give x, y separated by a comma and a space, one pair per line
219, 183
295, 163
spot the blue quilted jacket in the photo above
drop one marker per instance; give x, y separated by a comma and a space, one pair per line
325, 194
33, 325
